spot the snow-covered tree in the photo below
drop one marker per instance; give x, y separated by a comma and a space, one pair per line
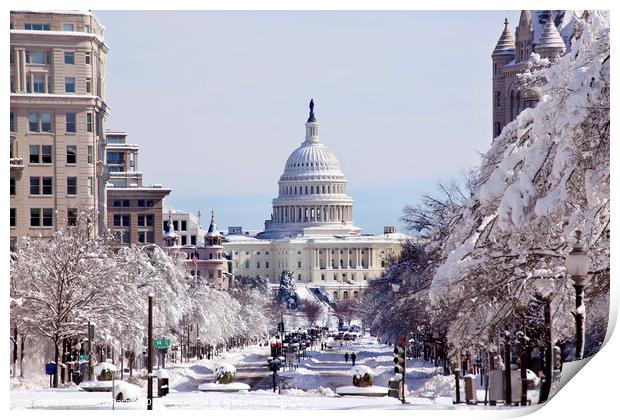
60, 283
545, 176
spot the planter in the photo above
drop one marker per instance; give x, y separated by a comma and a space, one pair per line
362, 376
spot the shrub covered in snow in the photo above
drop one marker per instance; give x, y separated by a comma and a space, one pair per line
224, 373
362, 375
104, 371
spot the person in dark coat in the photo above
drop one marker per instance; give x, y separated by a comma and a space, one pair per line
353, 357
346, 357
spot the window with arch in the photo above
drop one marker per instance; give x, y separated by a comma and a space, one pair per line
355, 294
336, 295
345, 295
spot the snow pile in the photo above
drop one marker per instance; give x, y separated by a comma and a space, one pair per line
30, 382
125, 392
436, 386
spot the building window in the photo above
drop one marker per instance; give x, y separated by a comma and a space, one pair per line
498, 99
37, 57
335, 276
41, 217
89, 122
247, 263
498, 129
298, 264
13, 186
12, 123
91, 185
13, 217
183, 240
35, 154
120, 203
38, 83
183, 225
121, 220
151, 203
71, 185
71, 217
70, 84
69, 57
87, 29
40, 121
89, 85
298, 277
258, 264
90, 154
72, 154
46, 184
68, 27
266, 264
37, 26
145, 220
35, 217
87, 58
71, 119
35, 185
192, 239
40, 185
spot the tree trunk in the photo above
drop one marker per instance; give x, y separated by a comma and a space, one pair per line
15, 350
56, 359
21, 356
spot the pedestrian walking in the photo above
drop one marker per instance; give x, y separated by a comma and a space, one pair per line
353, 357
346, 357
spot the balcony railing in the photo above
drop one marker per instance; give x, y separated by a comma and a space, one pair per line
17, 163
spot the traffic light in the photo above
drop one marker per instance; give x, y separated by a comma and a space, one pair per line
399, 360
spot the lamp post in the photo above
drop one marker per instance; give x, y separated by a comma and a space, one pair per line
577, 266
149, 363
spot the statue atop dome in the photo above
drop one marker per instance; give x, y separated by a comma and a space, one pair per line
311, 117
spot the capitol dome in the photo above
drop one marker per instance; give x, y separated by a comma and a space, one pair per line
312, 198
311, 160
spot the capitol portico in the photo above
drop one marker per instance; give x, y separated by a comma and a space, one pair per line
311, 231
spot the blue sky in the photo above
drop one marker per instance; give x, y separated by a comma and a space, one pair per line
218, 100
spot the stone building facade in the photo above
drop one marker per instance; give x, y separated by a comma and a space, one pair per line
134, 210
58, 111
547, 33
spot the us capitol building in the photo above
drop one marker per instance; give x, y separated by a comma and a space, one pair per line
311, 231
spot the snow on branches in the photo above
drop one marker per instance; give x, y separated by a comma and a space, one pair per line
546, 175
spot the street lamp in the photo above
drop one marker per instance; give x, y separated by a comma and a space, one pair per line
577, 266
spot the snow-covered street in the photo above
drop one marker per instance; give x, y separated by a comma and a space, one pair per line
311, 385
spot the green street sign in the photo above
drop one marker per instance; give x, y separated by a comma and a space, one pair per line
161, 343
83, 357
